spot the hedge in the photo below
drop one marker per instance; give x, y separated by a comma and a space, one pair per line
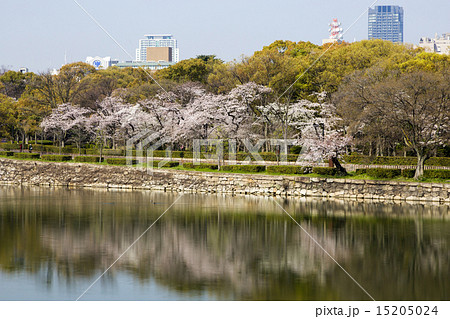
243, 168
42, 142
394, 160
120, 161
6, 153
88, 159
383, 172
168, 164
27, 155
408, 173
284, 169
56, 158
270, 157
9, 146
200, 166
361, 171
328, 171
437, 173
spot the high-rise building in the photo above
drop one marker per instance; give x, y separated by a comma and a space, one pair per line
438, 44
386, 23
144, 54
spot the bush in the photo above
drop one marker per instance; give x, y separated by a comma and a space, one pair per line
120, 161
397, 160
327, 171
42, 142
27, 155
92, 151
168, 164
284, 169
201, 166
437, 173
56, 158
383, 172
6, 153
270, 157
357, 159
438, 161
361, 171
408, 173
113, 152
394, 160
88, 159
296, 149
243, 168
9, 146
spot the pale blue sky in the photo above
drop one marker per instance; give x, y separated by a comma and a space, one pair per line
36, 34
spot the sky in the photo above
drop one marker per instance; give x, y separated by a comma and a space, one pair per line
42, 35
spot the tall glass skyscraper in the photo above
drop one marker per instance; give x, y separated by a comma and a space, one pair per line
386, 23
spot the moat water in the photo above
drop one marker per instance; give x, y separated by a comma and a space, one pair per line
55, 242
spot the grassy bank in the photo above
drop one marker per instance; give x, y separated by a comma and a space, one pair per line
189, 167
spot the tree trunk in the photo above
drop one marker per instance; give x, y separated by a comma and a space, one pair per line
330, 162
342, 170
420, 165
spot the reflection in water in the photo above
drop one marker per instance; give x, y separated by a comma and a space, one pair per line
218, 247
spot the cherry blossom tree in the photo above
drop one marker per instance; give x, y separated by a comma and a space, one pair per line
324, 136
67, 118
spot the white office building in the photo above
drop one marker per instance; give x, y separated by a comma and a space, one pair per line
439, 45
157, 41
101, 63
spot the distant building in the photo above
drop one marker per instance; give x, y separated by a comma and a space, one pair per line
147, 49
439, 45
101, 63
23, 70
148, 65
386, 23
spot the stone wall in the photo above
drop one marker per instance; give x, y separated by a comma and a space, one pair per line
91, 175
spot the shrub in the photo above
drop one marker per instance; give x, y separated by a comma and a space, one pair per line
113, 152
438, 161
120, 161
6, 153
296, 149
42, 142
394, 160
243, 168
9, 146
437, 173
27, 155
92, 151
200, 166
361, 171
357, 159
327, 171
88, 159
270, 157
168, 164
383, 172
56, 158
408, 173
284, 169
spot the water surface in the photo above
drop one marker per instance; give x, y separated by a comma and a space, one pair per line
55, 242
